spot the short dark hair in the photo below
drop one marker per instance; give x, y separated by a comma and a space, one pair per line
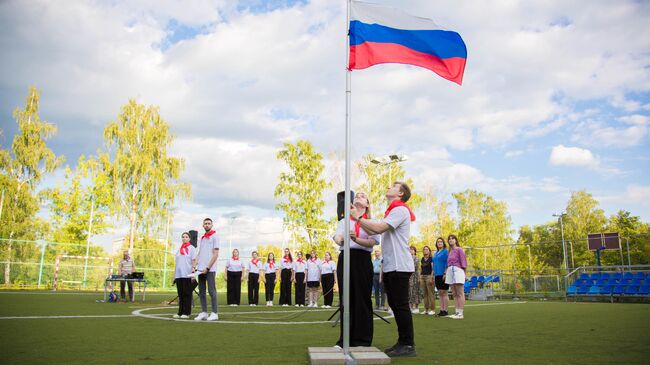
405, 190
186, 233
208, 219
454, 237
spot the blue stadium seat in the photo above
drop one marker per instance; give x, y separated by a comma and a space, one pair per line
473, 278
594, 290
639, 275
488, 279
467, 289
616, 275
618, 290
601, 282
595, 275
604, 275
497, 279
631, 290
628, 275
583, 289
648, 277
612, 281
584, 275
472, 284
572, 290
606, 289
644, 290
481, 279
626, 281
637, 282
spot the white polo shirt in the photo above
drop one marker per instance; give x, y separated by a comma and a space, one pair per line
327, 267
313, 270
254, 268
286, 264
270, 270
206, 245
235, 265
395, 241
340, 230
299, 267
184, 262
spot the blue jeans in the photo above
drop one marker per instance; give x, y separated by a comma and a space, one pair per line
380, 294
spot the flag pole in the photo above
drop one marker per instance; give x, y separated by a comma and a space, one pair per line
346, 241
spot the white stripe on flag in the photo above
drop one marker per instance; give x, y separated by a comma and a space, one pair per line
388, 16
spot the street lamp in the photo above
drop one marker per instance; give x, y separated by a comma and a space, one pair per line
388, 160
561, 215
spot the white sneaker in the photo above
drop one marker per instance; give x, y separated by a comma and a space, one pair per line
285, 305
176, 316
270, 304
184, 316
202, 316
213, 317
415, 311
297, 305
431, 313
251, 305
456, 316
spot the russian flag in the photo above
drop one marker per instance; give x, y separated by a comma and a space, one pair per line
381, 34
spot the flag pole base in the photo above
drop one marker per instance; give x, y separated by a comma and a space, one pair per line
357, 356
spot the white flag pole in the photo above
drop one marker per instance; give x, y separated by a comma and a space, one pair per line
346, 242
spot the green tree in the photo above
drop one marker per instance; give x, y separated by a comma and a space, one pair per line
634, 234
484, 221
300, 192
435, 220
583, 216
23, 167
144, 179
378, 177
85, 195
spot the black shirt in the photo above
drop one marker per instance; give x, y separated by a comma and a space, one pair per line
426, 266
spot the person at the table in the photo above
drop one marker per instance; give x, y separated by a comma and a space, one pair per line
127, 267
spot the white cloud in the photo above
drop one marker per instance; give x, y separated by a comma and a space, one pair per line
573, 156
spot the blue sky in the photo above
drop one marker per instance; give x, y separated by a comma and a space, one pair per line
555, 99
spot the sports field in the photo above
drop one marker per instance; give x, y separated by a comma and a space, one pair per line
72, 328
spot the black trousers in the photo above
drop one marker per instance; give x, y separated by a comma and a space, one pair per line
285, 286
122, 293
269, 286
253, 288
361, 324
184, 288
300, 288
234, 287
328, 288
397, 293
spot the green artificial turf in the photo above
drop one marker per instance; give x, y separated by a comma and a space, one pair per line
497, 332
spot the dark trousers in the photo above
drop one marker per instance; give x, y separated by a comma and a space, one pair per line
328, 288
380, 294
269, 286
253, 288
397, 293
184, 288
234, 287
208, 281
300, 288
285, 286
122, 293
361, 324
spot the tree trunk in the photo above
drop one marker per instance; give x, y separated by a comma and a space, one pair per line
8, 264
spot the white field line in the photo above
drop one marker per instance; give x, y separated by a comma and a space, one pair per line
68, 317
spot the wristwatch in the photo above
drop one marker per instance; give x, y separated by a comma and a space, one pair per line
359, 219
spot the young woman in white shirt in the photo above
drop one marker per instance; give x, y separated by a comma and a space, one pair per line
286, 278
270, 274
253, 268
182, 276
313, 279
300, 279
234, 277
328, 278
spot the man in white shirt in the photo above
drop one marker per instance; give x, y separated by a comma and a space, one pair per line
127, 267
207, 266
398, 265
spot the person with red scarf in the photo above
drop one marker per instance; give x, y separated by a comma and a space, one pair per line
313, 279
286, 278
270, 274
361, 246
182, 276
234, 278
328, 279
206, 264
299, 278
398, 266
253, 269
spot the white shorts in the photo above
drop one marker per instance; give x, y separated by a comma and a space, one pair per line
454, 275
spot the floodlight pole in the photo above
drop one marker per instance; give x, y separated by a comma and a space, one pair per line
561, 215
90, 232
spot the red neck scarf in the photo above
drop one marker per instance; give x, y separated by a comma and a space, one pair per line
235, 258
312, 260
255, 261
271, 263
398, 203
357, 227
208, 234
300, 261
286, 259
185, 248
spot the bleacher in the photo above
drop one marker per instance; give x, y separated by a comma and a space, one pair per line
481, 281
610, 284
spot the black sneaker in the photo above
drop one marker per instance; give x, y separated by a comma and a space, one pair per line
391, 348
402, 351
443, 314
